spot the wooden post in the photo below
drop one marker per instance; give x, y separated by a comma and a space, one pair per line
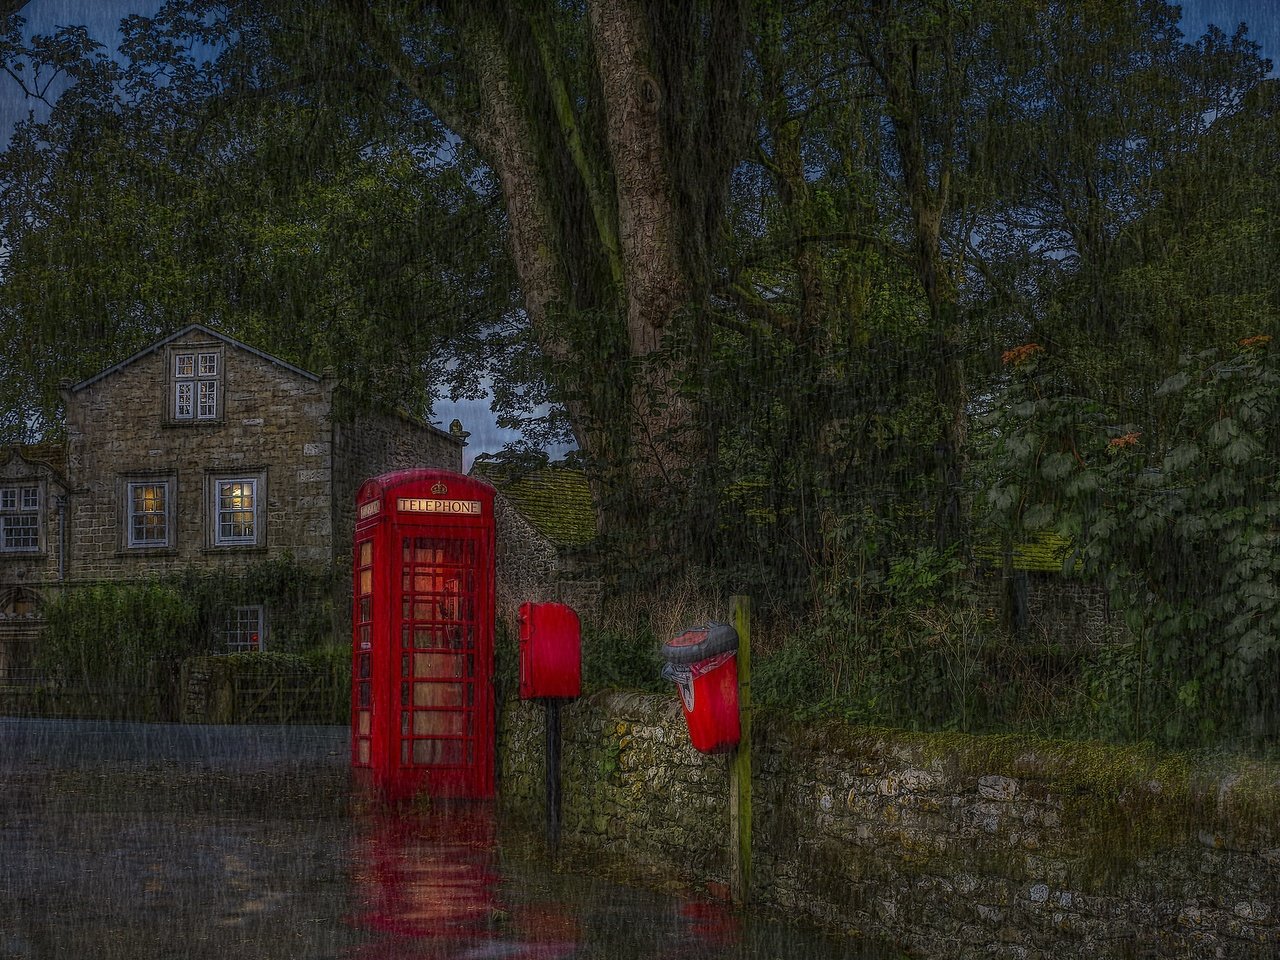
740, 761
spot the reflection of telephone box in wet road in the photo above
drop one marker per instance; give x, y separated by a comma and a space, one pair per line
422, 711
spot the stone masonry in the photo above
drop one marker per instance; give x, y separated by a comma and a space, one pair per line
300, 443
951, 846
370, 444
25, 468
275, 423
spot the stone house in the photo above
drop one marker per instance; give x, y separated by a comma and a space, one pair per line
33, 500
544, 525
197, 452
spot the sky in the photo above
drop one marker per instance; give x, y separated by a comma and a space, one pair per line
102, 17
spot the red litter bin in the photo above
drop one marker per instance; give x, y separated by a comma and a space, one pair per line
703, 664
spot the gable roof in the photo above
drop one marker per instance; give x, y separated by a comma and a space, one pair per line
46, 453
556, 500
206, 331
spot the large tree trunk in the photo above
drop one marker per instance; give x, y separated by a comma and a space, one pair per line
663, 435
599, 224
927, 198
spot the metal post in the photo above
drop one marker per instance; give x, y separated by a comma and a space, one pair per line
552, 724
740, 760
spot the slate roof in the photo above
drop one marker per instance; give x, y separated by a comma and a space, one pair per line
52, 453
556, 500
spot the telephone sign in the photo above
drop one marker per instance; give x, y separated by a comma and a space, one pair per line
422, 710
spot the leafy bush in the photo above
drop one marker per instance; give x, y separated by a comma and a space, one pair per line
1179, 517
116, 634
132, 634
893, 639
613, 658
298, 599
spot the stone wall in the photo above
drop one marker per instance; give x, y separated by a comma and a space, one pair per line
526, 564
951, 846
1067, 611
39, 566
532, 568
370, 444
1059, 610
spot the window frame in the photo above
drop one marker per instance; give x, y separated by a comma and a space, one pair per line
14, 506
168, 483
214, 481
234, 625
197, 387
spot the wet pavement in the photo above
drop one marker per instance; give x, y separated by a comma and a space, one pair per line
162, 841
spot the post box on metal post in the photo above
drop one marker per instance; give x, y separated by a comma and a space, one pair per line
550, 671
702, 663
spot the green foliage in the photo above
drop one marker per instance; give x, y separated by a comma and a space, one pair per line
615, 658
308, 225
901, 642
116, 635
133, 634
298, 599
863, 199
1180, 520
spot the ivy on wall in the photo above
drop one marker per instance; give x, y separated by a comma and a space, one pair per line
133, 634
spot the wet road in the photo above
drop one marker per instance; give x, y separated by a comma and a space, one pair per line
161, 841
93, 743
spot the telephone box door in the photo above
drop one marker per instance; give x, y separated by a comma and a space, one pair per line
444, 674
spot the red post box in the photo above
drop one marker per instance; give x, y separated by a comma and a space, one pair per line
550, 652
422, 708
703, 664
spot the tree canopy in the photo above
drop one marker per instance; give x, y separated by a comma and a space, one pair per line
760, 260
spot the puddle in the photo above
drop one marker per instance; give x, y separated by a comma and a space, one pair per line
123, 855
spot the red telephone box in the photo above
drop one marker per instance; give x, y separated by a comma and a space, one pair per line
422, 710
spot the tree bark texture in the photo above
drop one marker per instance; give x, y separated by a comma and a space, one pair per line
647, 216
927, 202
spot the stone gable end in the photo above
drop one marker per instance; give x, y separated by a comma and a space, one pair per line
269, 425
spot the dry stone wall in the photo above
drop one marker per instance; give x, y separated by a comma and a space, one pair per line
527, 562
952, 846
532, 568
1069, 612
1062, 611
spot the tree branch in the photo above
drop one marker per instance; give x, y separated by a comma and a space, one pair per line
417, 77
602, 214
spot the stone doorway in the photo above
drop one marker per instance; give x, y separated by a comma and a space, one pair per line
21, 623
